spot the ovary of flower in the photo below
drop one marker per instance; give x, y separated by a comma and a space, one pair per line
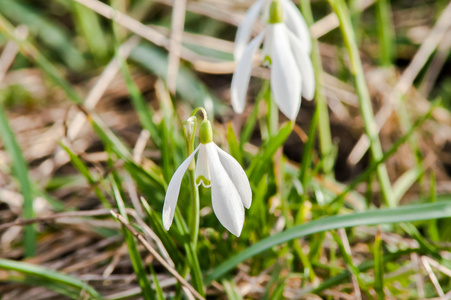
230, 188
291, 70
292, 19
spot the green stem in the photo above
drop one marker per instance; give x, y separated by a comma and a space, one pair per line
364, 98
195, 207
385, 32
325, 136
190, 131
273, 117
191, 255
21, 172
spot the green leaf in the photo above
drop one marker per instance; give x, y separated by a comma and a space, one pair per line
21, 172
234, 147
378, 267
48, 276
84, 170
89, 26
381, 216
263, 159
135, 257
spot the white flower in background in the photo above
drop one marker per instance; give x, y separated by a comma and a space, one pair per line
291, 17
286, 51
230, 188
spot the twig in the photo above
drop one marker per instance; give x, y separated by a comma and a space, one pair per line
126, 21
436, 65
438, 266
11, 50
432, 276
140, 145
72, 214
347, 247
330, 22
418, 277
156, 254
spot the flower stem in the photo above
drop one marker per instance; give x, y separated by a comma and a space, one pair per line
364, 98
190, 131
325, 137
195, 207
204, 112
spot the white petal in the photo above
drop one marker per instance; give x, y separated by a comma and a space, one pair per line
296, 23
172, 193
202, 173
225, 199
285, 75
244, 31
267, 47
305, 66
242, 74
237, 175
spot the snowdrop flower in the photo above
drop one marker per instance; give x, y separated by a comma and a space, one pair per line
285, 51
292, 19
230, 188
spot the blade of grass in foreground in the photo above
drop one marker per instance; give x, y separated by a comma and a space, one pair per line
138, 266
409, 213
49, 276
21, 171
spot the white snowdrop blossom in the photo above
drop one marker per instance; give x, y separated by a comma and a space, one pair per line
291, 17
215, 168
286, 51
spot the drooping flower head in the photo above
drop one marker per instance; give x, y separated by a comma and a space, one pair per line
286, 51
215, 168
290, 15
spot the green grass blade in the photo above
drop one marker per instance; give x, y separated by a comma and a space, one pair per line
231, 290
342, 277
64, 290
144, 111
49, 276
234, 147
84, 170
433, 230
385, 32
159, 290
370, 170
381, 216
378, 267
350, 264
30, 51
406, 181
89, 26
249, 126
133, 252
323, 122
51, 33
189, 86
157, 226
264, 159
21, 172
356, 68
